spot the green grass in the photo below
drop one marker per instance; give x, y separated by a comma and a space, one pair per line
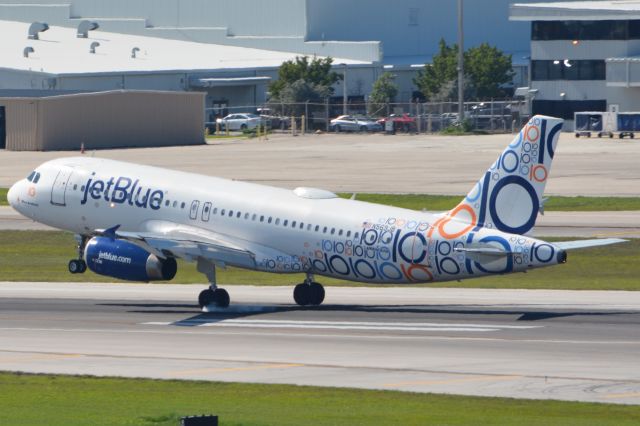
447, 202
3, 197
43, 256
66, 400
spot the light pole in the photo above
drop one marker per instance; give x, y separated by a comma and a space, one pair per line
344, 90
460, 63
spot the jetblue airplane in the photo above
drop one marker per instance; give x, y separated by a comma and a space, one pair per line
132, 222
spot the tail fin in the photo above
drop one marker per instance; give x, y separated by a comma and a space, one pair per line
509, 195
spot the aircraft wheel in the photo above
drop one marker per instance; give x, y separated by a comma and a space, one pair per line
317, 292
206, 297
76, 267
302, 294
83, 266
221, 298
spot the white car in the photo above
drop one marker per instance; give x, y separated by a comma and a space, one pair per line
348, 123
243, 121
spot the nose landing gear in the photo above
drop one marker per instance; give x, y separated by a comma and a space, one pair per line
79, 266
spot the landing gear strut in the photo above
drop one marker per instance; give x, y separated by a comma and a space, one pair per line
309, 292
79, 266
212, 295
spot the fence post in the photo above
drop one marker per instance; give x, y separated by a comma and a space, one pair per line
326, 113
303, 125
418, 117
293, 126
306, 117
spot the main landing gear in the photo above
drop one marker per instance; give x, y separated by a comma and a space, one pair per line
213, 295
79, 266
309, 292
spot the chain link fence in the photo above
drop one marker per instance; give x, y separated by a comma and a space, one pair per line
494, 116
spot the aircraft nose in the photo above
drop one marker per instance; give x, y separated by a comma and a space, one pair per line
12, 195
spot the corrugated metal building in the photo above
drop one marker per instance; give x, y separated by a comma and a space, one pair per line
102, 120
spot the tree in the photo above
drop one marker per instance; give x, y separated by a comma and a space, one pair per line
384, 91
486, 69
437, 80
302, 80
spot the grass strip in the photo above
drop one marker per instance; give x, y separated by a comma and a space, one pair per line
447, 202
3, 197
68, 400
43, 256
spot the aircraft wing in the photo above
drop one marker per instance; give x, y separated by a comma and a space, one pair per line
169, 239
572, 245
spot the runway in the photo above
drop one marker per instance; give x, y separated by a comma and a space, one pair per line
552, 224
565, 345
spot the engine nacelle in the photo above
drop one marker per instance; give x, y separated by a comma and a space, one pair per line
127, 261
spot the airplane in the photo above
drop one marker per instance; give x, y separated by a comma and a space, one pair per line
133, 221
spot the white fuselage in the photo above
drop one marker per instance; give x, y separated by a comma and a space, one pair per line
305, 230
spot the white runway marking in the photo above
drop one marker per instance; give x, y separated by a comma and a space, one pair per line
346, 325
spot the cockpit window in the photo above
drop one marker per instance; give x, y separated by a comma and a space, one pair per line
31, 176
37, 178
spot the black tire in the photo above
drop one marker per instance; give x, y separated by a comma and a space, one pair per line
317, 294
632, 135
74, 266
301, 294
222, 298
577, 135
83, 266
206, 297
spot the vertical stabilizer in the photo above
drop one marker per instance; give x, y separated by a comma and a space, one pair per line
508, 196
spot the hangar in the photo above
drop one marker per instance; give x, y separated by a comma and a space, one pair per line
46, 120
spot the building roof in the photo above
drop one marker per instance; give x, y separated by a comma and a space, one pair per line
576, 10
59, 51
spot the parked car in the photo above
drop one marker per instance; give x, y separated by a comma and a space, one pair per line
348, 123
404, 122
274, 121
242, 121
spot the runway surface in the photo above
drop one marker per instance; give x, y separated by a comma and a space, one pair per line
552, 224
566, 345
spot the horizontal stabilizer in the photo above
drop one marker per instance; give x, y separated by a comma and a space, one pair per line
571, 245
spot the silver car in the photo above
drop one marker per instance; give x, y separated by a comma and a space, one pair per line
349, 123
243, 121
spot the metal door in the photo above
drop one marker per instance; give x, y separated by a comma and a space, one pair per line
59, 188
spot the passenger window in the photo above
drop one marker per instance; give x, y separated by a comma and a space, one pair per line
340, 232
356, 236
309, 227
277, 221
285, 223
222, 212
254, 217
270, 219
75, 187
333, 231
230, 213
246, 216
215, 210
261, 218
175, 204
301, 225
166, 203
195, 206
293, 224
238, 215
317, 228
348, 234
324, 230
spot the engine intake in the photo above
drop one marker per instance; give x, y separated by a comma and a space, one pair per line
127, 261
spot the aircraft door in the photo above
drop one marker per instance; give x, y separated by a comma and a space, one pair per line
195, 206
59, 188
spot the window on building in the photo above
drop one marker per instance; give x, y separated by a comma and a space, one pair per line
585, 30
566, 69
566, 109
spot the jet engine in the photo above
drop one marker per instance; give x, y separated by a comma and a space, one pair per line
127, 261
